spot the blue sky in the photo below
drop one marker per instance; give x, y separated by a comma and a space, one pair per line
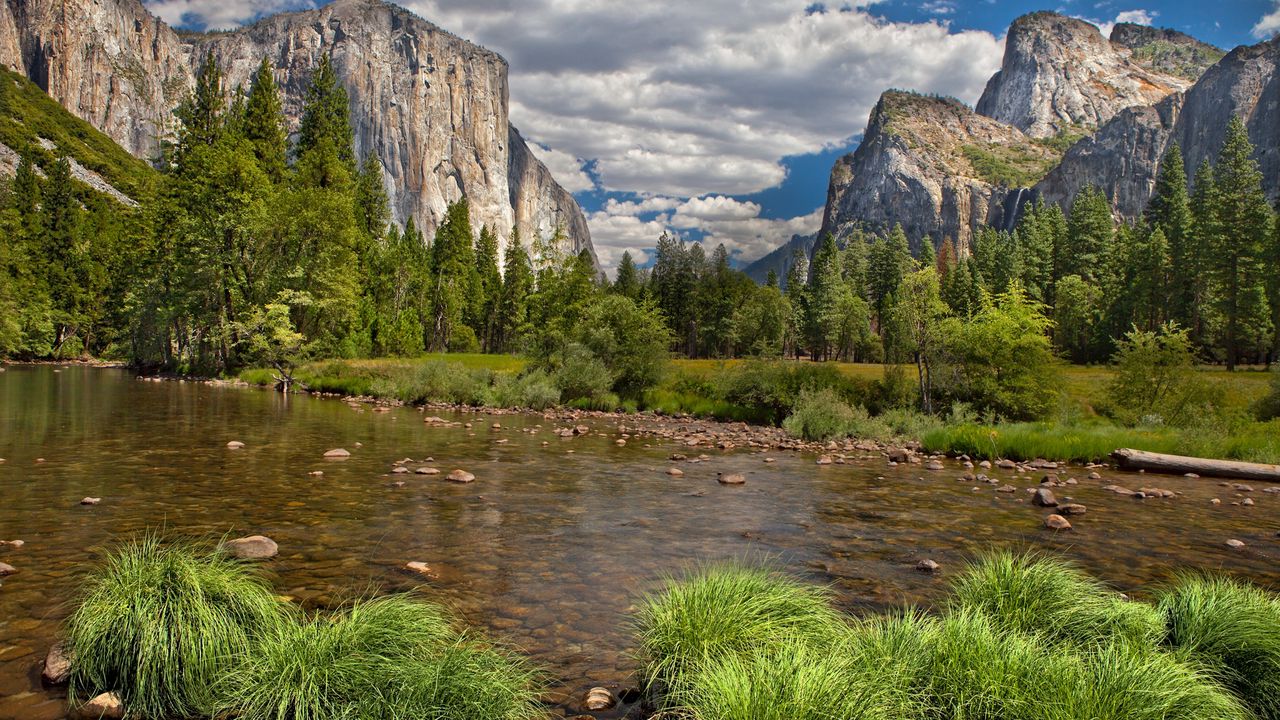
719, 119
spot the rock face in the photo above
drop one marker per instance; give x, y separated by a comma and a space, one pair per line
1059, 73
431, 106
942, 170
1123, 157
924, 163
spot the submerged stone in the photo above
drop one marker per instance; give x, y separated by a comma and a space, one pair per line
253, 547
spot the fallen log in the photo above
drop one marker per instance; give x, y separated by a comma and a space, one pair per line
1129, 459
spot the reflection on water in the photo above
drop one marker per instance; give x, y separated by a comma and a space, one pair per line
547, 548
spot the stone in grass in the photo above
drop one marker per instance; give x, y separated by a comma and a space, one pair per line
253, 547
337, 454
57, 665
460, 476
106, 706
1057, 522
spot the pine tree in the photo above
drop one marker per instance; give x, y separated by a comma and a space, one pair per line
201, 114
1239, 247
326, 117
1042, 229
58, 251
263, 124
1205, 226
627, 281
452, 269
372, 207
825, 293
1169, 211
797, 295
489, 288
887, 263
771, 280
1090, 228
928, 253
517, 284
853, 264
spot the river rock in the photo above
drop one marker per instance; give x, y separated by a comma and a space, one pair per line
7, 569
106, 706
599, 698
90, 501
934, 465
427, 471
732, 479
1072, 509
337, 454
1235, 544
460, 476
1006, 489
253, 547
824, 460
1006, 464
898, 455
420, 568
1043, 497
1057, 522
1095, 475
928, 566
15, 544
235, 445
57, 665
399, 470
675, 472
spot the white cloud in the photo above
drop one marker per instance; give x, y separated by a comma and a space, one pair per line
719, 219
1137, 17
683, 98
565, 168
1268, 24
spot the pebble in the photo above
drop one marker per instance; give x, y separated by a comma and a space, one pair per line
90, 501
106, 706
7, 569
1057, 522
675, 472
824, 460
316, 473
599, 698
460, 476
235, 445
400, 470
57, 665
427, 471
732, 479
1072, 509
337, 454
1043, 497
934, 465
928, 566
1235, 544
420, 568
253, 547
1247, 502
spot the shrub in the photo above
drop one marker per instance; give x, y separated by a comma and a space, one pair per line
580, 374
1267, 407
631, 340
1232, 629
390, 657
535, 390
822, 415
1049, 597
161, 624
721, 611
1156, 380
775, 386
433, 381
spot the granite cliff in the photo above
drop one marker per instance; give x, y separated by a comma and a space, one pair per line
431, 106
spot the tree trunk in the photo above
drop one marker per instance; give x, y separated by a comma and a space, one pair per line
1129, 459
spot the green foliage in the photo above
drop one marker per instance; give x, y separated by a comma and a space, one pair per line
394, 656
326, 120
1051, 598
1232, 629
162, 624
1012, 166
823, 415
774, 387
434, 381
1268, 407
725, 610
579, 373
535, 390
1156, 380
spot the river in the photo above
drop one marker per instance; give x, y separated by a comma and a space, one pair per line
554, 542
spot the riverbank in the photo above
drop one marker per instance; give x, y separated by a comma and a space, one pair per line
733, 392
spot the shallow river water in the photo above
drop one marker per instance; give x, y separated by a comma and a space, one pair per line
552, 544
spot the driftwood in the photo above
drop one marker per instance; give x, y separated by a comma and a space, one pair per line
1179, 465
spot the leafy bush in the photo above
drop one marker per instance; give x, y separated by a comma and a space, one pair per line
579, 373
775, 386
535, 390
433, 381
1156, 380
1031, 593
162, 624
1232, 629
1268, 407
823, 415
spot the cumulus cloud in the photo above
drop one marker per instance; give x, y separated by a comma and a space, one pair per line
1268, 24
1137, 17
635, 226
688, 98
567, 169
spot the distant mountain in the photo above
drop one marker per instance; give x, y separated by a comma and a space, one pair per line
780, 260
1068, 108
432, 107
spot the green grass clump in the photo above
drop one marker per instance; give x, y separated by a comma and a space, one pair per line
1129, 682
724, 610
161, 624
1051, 598
1232, 629
391, 657
790, 680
